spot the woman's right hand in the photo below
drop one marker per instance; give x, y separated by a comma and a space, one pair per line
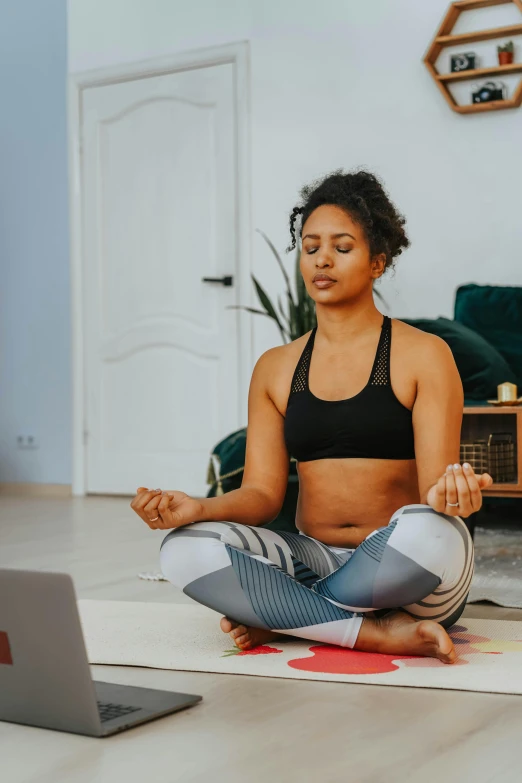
172, 508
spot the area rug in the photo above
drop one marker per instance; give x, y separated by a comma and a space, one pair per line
498, 567
187, 638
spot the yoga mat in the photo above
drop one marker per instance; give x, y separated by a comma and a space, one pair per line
187, 638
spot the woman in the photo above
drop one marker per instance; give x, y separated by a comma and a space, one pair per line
383, 561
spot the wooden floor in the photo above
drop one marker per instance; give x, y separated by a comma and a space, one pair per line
247, 728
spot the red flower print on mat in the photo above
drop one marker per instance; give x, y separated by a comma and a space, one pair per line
330, 659
340, 660
261, 649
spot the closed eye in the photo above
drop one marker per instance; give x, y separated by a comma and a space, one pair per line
311, 252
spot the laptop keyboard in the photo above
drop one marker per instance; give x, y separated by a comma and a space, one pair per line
109, 711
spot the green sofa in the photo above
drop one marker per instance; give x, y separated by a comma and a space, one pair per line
485, 337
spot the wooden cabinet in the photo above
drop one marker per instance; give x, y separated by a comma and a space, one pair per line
478, 422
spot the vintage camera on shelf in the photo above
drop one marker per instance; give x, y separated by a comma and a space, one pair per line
489, 91
465, 61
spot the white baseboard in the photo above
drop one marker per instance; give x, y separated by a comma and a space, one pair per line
36, 490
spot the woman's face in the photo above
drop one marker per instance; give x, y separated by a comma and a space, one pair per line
334, 245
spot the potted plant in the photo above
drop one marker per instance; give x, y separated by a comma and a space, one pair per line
506, 53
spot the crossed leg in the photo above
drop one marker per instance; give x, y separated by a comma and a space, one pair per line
286, 583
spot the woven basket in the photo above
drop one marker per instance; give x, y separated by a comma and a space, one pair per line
494, 455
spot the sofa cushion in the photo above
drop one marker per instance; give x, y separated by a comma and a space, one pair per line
495, 312
480, 365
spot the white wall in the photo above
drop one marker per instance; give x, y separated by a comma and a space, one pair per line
342, 83
35, 384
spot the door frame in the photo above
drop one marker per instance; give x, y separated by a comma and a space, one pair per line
237, 54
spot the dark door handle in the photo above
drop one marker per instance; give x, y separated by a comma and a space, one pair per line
226, 280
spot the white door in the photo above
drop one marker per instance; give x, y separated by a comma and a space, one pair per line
159, 214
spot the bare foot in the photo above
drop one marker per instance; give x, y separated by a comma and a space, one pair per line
245, 637
398, 633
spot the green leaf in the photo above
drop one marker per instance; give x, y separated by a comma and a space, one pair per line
276, 256
278, 259
301, 294
294, 318
267, 304
283, 311
306, 305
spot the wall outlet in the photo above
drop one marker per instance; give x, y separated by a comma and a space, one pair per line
27, 442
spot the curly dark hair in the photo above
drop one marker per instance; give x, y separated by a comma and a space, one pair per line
362, 195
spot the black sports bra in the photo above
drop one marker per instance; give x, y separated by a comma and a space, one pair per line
372, 424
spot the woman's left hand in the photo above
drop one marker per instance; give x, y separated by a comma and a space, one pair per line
458, 485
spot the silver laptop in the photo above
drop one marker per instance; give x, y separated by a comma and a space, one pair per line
45, 679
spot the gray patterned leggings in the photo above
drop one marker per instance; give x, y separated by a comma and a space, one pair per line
422, 561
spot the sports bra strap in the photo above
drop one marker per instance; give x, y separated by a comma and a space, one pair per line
300, 378
380, 375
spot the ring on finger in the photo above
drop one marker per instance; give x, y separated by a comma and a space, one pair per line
451, 504
153, 520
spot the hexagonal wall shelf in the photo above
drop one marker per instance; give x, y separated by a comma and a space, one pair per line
443, 39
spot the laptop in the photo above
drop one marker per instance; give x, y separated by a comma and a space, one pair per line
45, 679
